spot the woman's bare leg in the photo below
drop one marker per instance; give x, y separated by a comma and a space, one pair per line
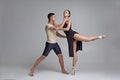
75, 58
61, 61
41, 58
87, 39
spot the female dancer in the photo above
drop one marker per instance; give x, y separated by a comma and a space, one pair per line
75, 39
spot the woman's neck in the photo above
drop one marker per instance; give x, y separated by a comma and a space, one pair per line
66, 17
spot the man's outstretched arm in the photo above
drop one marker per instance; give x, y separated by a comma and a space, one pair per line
60, 35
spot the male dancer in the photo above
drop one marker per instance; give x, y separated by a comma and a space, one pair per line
51, 32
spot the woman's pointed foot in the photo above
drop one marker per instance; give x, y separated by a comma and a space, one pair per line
73, 70
102, 36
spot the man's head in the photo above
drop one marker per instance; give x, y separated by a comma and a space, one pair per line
51, 16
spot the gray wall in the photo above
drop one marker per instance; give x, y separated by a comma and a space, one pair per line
22, 35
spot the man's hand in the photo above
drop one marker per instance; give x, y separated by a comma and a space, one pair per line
65, 19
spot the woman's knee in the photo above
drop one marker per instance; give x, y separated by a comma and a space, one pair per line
79, 37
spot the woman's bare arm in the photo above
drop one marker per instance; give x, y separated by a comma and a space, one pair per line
55, 27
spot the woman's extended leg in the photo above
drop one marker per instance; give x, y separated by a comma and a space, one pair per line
87, 39
75, 58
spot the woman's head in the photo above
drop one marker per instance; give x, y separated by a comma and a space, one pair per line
66, 13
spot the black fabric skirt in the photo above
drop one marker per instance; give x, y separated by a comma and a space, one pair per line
70, 40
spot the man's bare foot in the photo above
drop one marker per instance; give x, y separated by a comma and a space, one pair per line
64, 72
31, 73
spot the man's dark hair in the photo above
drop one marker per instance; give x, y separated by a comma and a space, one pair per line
49, 15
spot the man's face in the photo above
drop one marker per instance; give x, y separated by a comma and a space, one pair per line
53, 17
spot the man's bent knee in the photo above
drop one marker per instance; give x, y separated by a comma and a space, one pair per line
42, 56
60, 55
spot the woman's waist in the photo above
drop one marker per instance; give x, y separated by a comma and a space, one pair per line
70, 31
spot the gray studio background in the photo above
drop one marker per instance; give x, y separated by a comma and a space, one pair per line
22, 34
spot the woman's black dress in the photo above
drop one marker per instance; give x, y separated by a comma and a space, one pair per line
70, 38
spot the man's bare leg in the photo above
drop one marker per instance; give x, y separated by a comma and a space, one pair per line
60, 57
41, 58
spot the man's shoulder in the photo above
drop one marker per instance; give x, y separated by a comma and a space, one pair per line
49, 24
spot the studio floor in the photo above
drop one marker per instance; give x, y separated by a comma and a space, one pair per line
22, 74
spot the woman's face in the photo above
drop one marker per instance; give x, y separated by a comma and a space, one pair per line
66, 13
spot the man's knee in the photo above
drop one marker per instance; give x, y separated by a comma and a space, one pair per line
60, 56
42, 56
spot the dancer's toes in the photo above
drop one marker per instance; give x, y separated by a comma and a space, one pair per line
73, 70
31, 74
102, 36
65, 72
